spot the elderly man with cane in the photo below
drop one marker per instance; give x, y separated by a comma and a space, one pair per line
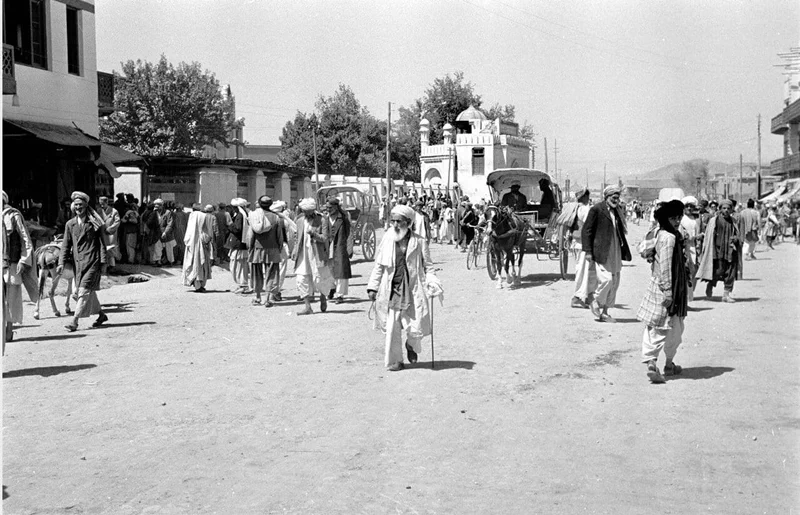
399, 283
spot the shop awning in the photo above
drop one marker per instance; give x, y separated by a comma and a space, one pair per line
792, 191
779, 190
58, 134
112, 156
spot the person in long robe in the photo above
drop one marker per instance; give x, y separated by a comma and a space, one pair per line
111, 219
197, 259
720, 259
19, 255
310, 256
398, 286
573, 217
749, 225
338, 257
691, 236
665, 304
237, 247
83, 242
603, 240
279, 208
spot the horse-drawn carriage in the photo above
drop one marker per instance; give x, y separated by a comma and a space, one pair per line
532, 224
363, 207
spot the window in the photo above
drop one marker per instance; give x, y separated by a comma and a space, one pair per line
73, 41
477, 161
26, 30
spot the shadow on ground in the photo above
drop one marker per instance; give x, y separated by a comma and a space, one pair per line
442, 365
46, 371
535, 280
48, 338
129, 324
702, 372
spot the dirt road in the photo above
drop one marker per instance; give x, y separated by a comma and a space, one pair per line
200, 403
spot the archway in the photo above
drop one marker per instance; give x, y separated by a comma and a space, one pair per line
432, 176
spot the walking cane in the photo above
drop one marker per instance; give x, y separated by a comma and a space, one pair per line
432, 354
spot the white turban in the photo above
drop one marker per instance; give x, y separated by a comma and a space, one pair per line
308, 204
80, 195
689, 200
238, 202
277, 206
404, 211
158, 201
610, 190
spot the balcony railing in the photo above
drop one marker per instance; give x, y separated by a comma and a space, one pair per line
791, 114
9, 80
789, 166
105, 93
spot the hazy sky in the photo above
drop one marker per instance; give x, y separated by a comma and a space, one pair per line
633, 84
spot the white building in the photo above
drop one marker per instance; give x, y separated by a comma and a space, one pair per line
52, 97
471, 150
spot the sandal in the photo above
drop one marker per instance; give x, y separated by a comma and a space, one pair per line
654, 374
255, 302
671, 369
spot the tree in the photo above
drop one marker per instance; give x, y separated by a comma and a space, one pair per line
445, 99
507, 113
349, 139
690, 171
162, 109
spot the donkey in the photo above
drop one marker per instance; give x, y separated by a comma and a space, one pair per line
46, 258
509, 232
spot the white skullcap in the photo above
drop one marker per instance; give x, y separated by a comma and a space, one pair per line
238, 202
689, 200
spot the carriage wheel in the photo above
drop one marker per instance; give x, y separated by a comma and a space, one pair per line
563, 253
491, 264
368, 242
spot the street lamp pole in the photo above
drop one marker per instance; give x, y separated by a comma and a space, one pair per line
316, 169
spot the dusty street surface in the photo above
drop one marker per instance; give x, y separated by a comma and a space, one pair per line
200, 403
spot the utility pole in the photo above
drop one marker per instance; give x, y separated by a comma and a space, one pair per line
604, 176
316, 170
555, 157
740, 177
758, 174
725, 188
388, 160
587, 178
546, 163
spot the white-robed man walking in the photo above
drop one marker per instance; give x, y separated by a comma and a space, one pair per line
310, 256
197, 258
397, 285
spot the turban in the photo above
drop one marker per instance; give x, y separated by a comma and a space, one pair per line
209, 208
725, 202
689, 200
333, 201
5, 198
610, 190
158, 201
80, 195
404, 211
264, 198
238, 202
581, 193
102, 198
196, 206
308, 204
278, 206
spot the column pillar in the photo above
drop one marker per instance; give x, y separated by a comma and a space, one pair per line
283, 188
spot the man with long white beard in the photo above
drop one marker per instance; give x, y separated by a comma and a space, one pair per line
310, 256
397, 285
83, 241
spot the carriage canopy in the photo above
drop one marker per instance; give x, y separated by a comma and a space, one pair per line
501, 180
351, 196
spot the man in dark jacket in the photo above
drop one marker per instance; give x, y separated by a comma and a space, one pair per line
337, 249
264, 251
237, 248
161, 222
603, 240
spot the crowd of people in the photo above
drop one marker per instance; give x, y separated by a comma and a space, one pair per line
688, 242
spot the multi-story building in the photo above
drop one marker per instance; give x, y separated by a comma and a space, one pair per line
52, 98
787, 124
480, 146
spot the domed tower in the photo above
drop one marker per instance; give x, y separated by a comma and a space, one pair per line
424, 132
470, 120
447, 134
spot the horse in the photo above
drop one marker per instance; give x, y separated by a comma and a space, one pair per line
46, 258
508, 232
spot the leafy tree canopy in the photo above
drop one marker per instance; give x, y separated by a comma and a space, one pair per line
690, 171
164, 109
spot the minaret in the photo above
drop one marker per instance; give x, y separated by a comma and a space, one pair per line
424, 133
447, 134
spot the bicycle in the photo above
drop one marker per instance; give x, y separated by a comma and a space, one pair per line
476, 248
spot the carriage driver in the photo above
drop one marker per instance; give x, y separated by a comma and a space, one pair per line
515, 199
